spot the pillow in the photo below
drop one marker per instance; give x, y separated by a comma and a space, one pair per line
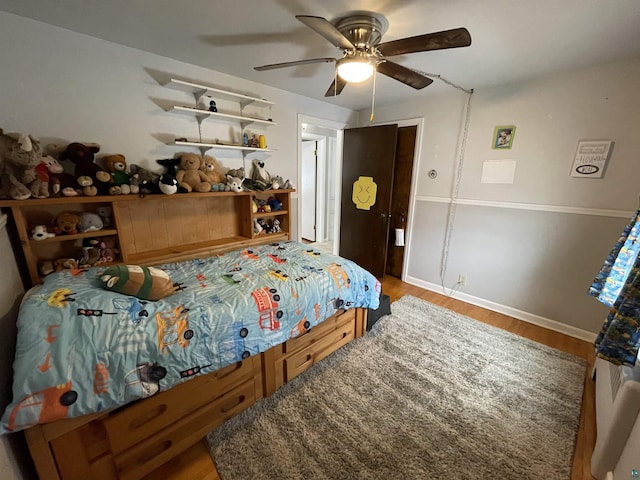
146, 283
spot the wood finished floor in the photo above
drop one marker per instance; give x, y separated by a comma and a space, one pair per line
197, 464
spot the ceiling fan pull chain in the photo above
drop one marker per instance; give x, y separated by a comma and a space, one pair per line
373, 97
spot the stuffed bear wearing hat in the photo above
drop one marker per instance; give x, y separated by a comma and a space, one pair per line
189, 175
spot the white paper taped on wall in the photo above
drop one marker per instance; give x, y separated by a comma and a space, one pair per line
399, 237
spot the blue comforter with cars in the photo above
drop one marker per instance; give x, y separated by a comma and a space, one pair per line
83, 349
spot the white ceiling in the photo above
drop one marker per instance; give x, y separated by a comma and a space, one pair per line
511, 39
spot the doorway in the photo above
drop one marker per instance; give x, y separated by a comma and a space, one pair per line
319, 167
375, 235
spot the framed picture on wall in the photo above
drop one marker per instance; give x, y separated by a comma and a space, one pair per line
503, 137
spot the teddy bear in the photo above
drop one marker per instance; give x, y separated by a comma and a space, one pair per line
116, 165
108, 251
83, 156
20, 154
66, 223
212, 169
189, 175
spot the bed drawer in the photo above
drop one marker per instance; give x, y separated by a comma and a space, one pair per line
174, 439
298, 362
319, 331
145, 418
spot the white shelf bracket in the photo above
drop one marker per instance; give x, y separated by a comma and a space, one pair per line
197, 94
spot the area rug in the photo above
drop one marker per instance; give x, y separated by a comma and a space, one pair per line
427, 394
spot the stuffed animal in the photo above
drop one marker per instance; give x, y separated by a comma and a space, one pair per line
116, 165
260, 175
65, 264
90, 252
46, 268
212, 169
88, 188
39, 232
66, 223
90, 222
146, 179
234, 184
105, 213
20, 154
60, 183
108, 251
168, 183
274, 203
83, 156
275, 226
236, 172
189, 175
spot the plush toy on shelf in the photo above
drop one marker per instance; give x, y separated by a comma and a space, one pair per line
105, 212
88, 189
65, 264
66, 223
212, 169
20, 154
189, 175
90, 222
260, 176
275, 226
168, 184
116, 165
234, 184
40, 232
274, 203
147, 180
90, 252
83, 156
108, 251
60, 183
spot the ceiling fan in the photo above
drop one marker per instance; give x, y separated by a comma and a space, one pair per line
358, 35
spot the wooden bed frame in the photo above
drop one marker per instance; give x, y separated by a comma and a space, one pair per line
136, 439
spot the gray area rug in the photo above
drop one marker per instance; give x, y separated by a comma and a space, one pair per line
427, 394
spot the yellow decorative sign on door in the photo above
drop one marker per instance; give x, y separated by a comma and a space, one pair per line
364, 193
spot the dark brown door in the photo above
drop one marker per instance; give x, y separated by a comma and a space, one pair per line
403, 171
367, 179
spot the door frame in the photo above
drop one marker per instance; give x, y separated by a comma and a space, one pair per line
321, 183
339, 128
418, 123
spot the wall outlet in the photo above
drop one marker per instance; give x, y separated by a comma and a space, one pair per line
462, 279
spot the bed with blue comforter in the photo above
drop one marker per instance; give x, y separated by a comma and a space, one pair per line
83, 349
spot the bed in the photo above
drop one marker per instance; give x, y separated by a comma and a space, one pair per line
109, 385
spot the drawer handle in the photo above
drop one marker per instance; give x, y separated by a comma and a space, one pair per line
238, 401
147, 416
153, 452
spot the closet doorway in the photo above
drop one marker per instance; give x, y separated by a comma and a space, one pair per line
319, 167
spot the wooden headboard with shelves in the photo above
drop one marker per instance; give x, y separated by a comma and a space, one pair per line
151, 229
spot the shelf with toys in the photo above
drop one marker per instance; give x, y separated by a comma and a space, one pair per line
221, 146
269, 212
62, 232
204, 114
198, 90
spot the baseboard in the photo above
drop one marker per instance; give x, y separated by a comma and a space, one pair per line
512, 312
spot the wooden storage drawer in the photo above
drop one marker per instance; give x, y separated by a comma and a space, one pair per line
145, 457
319, 331
298, 362
143, 419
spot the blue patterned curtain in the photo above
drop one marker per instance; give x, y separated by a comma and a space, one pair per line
617, 285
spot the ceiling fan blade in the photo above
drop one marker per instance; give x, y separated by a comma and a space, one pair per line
273, 66
325, 28
404, 75
336, 87
458, 37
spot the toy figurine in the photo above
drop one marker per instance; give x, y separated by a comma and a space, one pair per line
212, 106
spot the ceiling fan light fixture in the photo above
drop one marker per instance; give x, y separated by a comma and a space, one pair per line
355, 69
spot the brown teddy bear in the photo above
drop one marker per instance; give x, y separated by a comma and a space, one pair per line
66, 223
212, 168
189, 175
116, 165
